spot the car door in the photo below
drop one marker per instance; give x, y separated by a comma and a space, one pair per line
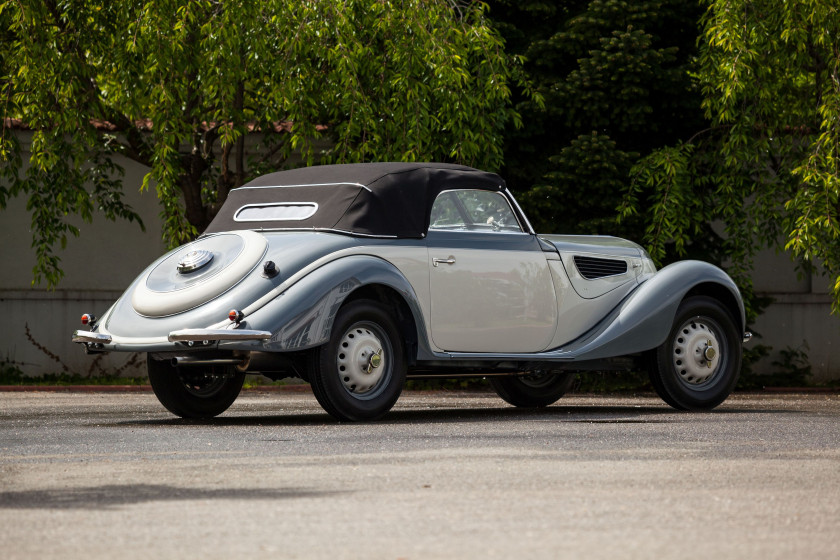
490, 285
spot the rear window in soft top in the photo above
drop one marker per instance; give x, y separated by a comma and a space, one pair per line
276, 212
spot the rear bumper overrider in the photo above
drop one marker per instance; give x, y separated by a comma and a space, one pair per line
215, 335
87, 337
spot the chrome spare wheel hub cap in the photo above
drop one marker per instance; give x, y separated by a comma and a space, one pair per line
194, 260
360, 360
696, 352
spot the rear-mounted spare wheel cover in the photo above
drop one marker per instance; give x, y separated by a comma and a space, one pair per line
198, 272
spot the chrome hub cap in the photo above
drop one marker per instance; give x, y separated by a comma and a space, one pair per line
361, 359
696, 352
194, 260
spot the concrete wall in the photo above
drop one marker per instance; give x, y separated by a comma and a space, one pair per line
799, 317
107, 256
98, 265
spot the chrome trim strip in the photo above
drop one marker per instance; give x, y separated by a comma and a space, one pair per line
195, 335
519, 208
330, 230
558, 355
307, 185
85, 337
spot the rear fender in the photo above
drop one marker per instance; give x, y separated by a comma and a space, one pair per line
302, 316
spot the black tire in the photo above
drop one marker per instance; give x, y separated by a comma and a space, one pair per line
698, 365
533, 390
194, 392
343, 374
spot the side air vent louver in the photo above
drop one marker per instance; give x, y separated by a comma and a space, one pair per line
592, 268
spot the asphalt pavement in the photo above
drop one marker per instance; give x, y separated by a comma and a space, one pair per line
444, 475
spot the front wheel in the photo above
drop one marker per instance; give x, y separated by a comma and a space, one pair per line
698, 365
359, 374
535, 389
194, 392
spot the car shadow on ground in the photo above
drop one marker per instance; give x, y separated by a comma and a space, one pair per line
587, 414
112, 496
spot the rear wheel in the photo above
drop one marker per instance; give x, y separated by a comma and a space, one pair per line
698, 365
194, 392
535, 389
359, 374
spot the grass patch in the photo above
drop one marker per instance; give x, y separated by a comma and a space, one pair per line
11, 374
256, 381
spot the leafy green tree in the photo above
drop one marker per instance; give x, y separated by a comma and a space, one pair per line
580, 193
768, 166
177, 85
614, 77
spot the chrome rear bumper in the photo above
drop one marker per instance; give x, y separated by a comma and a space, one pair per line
212, 335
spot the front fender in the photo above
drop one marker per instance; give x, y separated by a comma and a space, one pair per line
644, 319
303, 315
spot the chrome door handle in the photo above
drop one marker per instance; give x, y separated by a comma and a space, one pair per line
436, 261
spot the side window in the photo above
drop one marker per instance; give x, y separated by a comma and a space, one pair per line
473, 210
445, 213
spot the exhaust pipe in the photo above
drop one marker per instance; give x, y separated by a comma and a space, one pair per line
241, 362
253, 362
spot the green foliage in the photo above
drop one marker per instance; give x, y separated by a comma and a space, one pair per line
10, 373
767, 167
176, 85
791, 369
794, 366
613, 76
581, 192
752, 354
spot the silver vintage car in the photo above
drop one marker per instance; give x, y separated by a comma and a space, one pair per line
358, 277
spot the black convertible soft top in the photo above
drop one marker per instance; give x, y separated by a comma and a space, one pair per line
376, 199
